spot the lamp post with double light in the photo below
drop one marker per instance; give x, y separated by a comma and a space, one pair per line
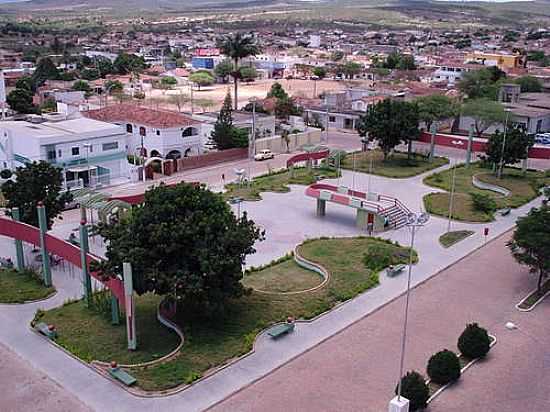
414, 222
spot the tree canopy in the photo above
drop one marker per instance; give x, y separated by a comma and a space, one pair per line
20, 100
320, 72
128, 63
201, 78
34, 183
516, 146
482, 83
183, 242
485, 113
529, 84
224, 69
45, 70
434, 108
391, 123
530, 244
277, 91
225, 134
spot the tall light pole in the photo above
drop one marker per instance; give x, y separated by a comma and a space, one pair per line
326, 123
501, 166
414, 221
451, 197
252, 143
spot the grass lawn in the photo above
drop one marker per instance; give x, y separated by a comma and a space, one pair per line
535, 296
277, 182
524, 188
211, 343
21, 287
397, 165
450, 238
286, 276
90, 336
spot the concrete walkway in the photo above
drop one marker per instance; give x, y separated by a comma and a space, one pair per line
357, 369
289, 219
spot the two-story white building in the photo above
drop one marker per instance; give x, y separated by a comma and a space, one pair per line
89, 151
154, 133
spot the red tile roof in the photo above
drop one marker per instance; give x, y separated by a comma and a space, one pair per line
161, 119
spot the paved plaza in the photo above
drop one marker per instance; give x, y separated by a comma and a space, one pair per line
357, 369
289, 219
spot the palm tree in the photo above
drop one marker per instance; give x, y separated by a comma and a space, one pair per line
238, 46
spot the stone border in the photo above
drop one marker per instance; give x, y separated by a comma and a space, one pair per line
534, 305
308, 265
462, 370
489, 186
51, 295
170, 325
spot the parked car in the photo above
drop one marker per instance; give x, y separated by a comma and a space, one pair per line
542, 138
264, 155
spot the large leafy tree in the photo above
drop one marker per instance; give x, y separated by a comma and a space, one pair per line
350, 69
485, 113
128, 63
320, 72
277, 91
530, 244
183, 242
248, 73
20, 100
483, 83
516, 146
34, 183
45, 70
391, 123
238, 46
434, 108
529, 84
224, 69
201, 78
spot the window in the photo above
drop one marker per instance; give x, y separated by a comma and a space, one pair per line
142, 131
59, 153
110, 146
190, 131
129, 128
51, 154
158, 132
332, 119
75, 151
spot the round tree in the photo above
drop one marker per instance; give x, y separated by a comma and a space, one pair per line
414, 388
183, 242
474, 342
444, 367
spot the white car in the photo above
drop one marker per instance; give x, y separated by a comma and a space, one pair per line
264, 155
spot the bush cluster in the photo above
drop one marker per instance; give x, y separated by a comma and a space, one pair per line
414, 388
474, 342
483, 203
444, 367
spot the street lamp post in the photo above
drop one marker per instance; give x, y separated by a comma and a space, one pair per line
451, 197
252, 142
326, 123
414, 221
501, 166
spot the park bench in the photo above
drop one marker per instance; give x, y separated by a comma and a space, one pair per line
122, 376
505, 212
46, 330
280, 329
392, 271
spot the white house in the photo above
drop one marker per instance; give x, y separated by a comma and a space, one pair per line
155, 133
88, 151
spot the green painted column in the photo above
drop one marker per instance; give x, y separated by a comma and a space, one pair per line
115, 311
84, 249
469, 148
362, 219
321, 207
433, 131
43, 226
20, 257
129, 305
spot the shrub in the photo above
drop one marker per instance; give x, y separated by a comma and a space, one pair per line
444, 367
484, 203
5, 174
474, 342
414, 388
377, 257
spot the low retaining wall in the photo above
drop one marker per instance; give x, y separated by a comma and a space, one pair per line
478, 145
210, 159
277, 145
488, 186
